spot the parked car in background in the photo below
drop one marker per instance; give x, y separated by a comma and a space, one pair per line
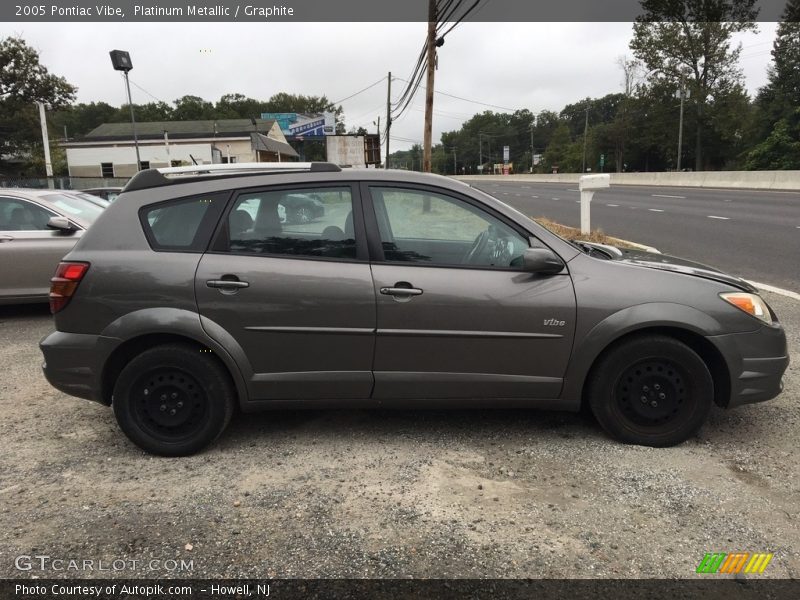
192, 297
303, 208
107, 193
98, 200
37, 228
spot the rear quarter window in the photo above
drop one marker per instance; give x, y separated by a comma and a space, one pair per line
182, 225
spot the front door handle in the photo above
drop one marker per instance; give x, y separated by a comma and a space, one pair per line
6, 238
401, 289
227, 284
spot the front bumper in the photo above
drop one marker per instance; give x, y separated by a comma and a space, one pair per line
73, 363
756, 362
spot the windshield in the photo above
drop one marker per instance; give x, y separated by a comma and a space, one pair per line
74, 206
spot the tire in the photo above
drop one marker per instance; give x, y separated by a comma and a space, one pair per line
302, 215
173, 400
652, 391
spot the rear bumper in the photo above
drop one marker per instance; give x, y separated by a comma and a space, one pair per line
73, 363
756, 362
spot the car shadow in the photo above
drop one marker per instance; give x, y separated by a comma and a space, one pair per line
12, 311
386, 424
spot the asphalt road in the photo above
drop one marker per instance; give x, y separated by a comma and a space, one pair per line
753, 234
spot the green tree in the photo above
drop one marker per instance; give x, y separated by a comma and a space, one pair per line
690, 40
23, 82
239, 106
781, 150
192, 108
777, 102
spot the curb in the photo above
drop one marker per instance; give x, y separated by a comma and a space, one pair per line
635, 245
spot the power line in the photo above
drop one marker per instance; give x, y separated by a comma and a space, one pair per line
146, 92
381, 80
467, 99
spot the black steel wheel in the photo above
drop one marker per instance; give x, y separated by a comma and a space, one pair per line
303, 215
651, 390
173, 400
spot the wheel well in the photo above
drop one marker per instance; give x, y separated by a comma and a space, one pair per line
704, 349
132, 348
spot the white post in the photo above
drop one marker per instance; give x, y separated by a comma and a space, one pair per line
587, 186
48, 165
229, 153
586, 224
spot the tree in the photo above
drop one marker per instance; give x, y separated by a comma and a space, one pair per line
690, 40
192, 108
23, 82
781, 150
777, 102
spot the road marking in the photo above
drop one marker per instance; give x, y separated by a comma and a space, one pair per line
569, 190
655, 210
613, 205
526, 187
534, 196
556, 198
720, 218
775, 290
665, 196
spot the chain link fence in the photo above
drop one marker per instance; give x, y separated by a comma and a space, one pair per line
62, 183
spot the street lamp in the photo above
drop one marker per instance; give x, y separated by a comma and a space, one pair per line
121, 61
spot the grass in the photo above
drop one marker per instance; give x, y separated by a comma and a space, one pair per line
571, 233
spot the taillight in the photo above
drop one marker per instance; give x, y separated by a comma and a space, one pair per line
64, 283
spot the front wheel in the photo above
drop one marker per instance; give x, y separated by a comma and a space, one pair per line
652, 391
173, 400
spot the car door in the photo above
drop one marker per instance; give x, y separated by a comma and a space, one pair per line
296, 297
457, 316
29, 251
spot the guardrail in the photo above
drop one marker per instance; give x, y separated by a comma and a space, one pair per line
747, 180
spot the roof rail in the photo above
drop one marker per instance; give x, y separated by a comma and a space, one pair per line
239, 167
150, 178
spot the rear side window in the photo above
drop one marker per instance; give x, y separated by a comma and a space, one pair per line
299, 222
183, 225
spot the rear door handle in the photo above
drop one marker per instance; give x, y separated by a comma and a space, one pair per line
227, 284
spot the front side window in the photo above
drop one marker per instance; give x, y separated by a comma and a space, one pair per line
20, 215
301, 222
427, 227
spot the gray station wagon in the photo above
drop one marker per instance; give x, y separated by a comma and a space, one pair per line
193, 295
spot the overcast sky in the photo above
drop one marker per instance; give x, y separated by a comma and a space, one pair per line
515, 65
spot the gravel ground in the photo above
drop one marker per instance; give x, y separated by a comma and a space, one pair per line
390, 494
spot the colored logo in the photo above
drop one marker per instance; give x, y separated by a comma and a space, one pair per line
737, 562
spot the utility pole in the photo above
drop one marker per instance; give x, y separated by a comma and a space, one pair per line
532, 122
48, 165
585, 132
455, 163
480, 150
431, 43
682, 93
388, 117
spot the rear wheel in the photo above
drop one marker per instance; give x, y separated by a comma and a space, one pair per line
652, 391
173, 400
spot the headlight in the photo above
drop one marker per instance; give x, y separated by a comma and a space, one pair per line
752, 304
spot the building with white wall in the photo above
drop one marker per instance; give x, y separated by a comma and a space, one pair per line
109, 151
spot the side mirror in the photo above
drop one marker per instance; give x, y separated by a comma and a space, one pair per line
542, 260
62, 224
